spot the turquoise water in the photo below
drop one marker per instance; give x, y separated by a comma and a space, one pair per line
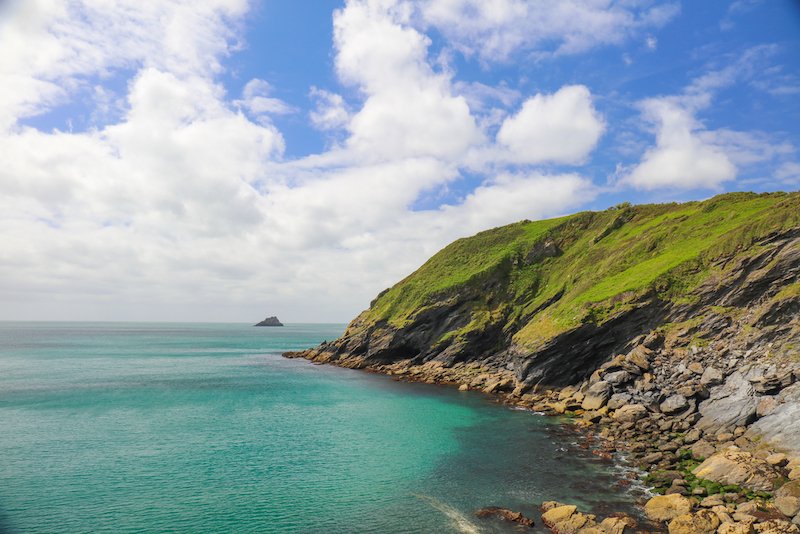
206, 428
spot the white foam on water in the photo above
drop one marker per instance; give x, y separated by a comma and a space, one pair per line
460, 521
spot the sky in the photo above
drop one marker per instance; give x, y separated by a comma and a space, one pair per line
225, 160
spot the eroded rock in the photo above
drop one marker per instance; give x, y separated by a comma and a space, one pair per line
734, 466
667, 507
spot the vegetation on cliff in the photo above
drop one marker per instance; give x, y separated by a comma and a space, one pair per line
552, 299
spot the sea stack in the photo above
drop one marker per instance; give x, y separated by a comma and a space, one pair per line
270, 321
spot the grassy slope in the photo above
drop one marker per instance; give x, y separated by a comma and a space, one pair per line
608, 260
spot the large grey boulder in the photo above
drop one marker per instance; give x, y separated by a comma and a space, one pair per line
712, 377
674, 404
596, 396
781, 425
730, 405
630, 413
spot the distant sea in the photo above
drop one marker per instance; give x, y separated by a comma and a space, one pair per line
123, 427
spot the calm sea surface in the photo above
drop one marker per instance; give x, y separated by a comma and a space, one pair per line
129, 427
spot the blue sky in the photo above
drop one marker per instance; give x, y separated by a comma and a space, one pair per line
224, 159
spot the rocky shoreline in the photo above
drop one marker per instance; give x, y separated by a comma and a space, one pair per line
671, 332
716, 438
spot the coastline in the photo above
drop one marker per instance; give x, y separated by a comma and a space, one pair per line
666, 448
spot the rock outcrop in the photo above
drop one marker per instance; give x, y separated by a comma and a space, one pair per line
270, 321
736, 467
673, 330
505, 514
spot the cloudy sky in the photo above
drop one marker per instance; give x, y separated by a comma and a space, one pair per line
223, 160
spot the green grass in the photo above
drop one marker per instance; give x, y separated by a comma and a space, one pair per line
606, 262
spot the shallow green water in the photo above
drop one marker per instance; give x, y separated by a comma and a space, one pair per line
205, 428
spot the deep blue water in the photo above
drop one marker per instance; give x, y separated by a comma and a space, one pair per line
123, 427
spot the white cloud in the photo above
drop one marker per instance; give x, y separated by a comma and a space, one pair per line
331, 111
494, 30
409, 111
256, 99
686, 154
651, 42
510, 198
789, 173
51, 48
181, 207
681, 158
562, 127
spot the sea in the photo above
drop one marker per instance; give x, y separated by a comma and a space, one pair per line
201, 428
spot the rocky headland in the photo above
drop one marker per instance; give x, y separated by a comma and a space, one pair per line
269, 321
672, 332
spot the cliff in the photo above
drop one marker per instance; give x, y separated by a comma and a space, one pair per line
672, 329
548, 303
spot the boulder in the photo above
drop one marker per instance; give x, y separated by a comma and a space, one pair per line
499, 384
652, 458
596, 396
712, 377
788, 505
703, 449
777, 459
618, 400
790, 489
730, 404
703, 522
773, 383
630, 413
776, 526
735, 528
674, 404
566, 519
640, 357
696, 368
558, 514
734, 466
778, 422
617, 377
667, 507
576, 523
617, 525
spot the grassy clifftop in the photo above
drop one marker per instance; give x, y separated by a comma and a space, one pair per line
535, 280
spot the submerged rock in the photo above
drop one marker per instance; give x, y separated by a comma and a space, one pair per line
505, 514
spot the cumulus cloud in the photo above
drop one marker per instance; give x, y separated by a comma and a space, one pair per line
180, 204
686, 154
409, 109
681, 158
562, 127
58, 46
494, 30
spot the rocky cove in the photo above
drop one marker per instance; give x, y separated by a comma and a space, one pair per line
669, 332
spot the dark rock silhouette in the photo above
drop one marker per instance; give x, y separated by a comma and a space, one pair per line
270, 321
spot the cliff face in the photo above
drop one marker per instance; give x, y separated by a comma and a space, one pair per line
555, 303
674, 328
551, 300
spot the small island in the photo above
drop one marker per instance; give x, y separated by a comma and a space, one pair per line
270, 321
